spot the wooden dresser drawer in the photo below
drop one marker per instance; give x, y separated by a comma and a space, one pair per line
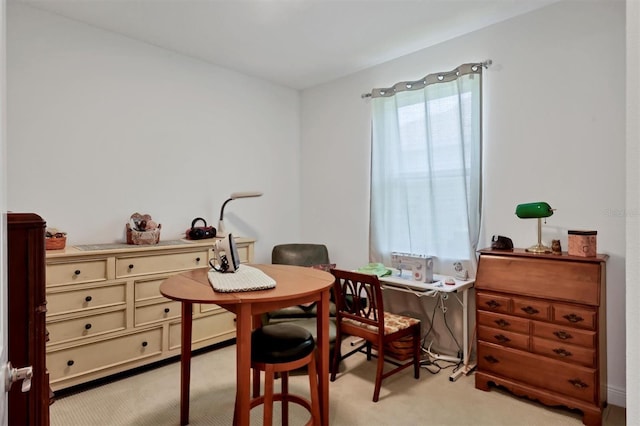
502, 337
76, 361
564, 352
503, 322
573, 281
76, 272
571, 380
65, 300
532, 308
572, 336
493, 302
575, 316
162, 263
158, 312
88, 326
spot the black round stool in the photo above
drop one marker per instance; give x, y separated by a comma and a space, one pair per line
281, 348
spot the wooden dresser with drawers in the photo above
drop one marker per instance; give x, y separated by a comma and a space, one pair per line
541, 322
105, 313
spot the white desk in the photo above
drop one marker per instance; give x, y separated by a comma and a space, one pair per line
406, 284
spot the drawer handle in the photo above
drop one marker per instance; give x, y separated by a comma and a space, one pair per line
530, 310
578, 383
167, 310
197, 259
562, 352
562, 335
502, 323
87, 326
144, 344
88, 299
77, 272
70, 362
131, 266
573, 318
493, 304
491, 359
502, 338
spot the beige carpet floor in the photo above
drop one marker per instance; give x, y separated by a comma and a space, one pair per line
152, 398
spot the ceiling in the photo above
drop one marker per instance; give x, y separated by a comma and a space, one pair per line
294, 43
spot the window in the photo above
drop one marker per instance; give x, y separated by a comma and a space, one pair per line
426, 168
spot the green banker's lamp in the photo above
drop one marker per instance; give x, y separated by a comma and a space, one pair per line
538, 211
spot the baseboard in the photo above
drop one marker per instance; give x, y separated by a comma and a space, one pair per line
616, 396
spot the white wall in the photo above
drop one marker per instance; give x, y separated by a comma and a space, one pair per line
554, 105
633, 210
102, 126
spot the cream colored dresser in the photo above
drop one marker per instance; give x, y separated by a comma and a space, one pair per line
105, 313
542, 328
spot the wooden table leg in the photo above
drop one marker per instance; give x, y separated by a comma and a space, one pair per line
322, 324
243, 363
185, 362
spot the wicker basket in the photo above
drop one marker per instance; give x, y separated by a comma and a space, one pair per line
143, 237
55, 243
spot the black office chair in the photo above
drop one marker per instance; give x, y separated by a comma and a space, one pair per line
302, 254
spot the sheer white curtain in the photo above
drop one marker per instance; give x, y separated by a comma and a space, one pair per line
426, 167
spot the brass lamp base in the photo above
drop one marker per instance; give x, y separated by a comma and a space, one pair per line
539, 248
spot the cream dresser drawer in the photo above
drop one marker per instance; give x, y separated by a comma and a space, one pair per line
87, 298
160, 263
148, 290
76, 361
210, 329
86, 326
76, 272
168, 310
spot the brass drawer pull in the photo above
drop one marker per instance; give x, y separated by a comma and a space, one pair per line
502, 338
493, 304
491, 359
562, 352
502, 323
573, 318
562, 335
530, 310
578, 383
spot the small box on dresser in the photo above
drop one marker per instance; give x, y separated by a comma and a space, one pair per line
542, 328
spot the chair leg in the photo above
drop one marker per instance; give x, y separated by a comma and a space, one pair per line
416, 352
379, 372
256, 383
284, 390
336, 355
267, 418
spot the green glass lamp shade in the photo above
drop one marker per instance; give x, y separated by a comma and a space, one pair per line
534, 210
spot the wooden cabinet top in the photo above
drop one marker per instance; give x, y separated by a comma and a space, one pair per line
518, 252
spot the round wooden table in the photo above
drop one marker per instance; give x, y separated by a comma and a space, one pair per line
295, 285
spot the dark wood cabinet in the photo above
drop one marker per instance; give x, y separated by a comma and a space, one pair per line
27, 317
541, 328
